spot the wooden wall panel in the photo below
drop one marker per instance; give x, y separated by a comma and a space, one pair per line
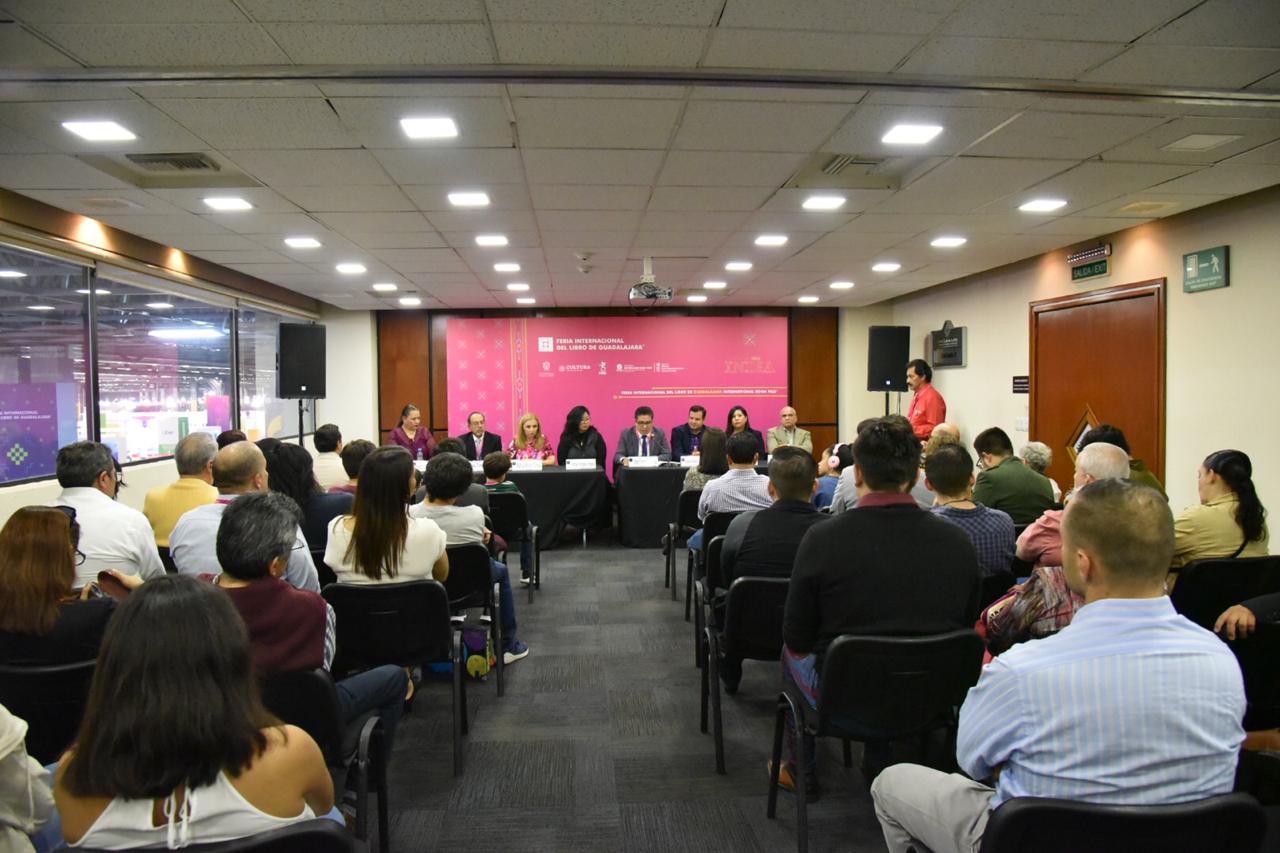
438, 418
403, 366
814, 368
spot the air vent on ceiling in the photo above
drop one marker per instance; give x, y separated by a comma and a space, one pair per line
1145, 208
194, 162
825, 170
107, 204
840, 162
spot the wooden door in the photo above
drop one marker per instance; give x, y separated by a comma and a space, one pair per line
1099, 357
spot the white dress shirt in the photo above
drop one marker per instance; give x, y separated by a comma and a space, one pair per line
329, 471
193, 544
112, 536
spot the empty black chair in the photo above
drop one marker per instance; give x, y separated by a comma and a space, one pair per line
895, 687
685, 522
752, 631
703, 590
312, 836
308, 699
715, 524
1205, 588
470, 584
166, 560
510, 515
406, 624
51, 700
1230, 823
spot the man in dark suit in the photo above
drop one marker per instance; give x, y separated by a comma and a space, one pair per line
644, 439
686, 439
477, 443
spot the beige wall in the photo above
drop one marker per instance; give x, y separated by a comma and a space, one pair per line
351, 359
856, 402
1214, 400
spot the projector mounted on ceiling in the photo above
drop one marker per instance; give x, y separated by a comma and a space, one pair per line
645, 293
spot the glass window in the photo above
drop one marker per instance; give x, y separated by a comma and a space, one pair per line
164, 368
262, 413
43, 339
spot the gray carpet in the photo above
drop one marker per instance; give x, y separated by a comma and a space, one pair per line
595, 745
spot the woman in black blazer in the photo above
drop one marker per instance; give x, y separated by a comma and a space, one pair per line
739, 421
580, 440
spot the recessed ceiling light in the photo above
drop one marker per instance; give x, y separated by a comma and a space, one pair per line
98, 291
159, 306
841, 285
410, 301
518, 286
824, 202
738, 266
714, 285
429, 127
384, 287
491, 240
350, 268
911, 134
526, 300
12, 274
507, 266
1042, 205
40, 307
771, 240
948, 242
227, 203
887, 266
99, 131
807, 300
696, 297
1200, 142
469, 199
302, 242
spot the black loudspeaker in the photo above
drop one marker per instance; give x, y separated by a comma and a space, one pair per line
300, 361
888, 351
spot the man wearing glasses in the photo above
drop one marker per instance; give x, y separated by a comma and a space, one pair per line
113, 537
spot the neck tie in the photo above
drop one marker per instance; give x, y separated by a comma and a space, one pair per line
644, 445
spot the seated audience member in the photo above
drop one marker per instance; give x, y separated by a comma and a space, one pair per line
846, 494
1034, 721
1138, 471
238, 469
476, 443
292, 629
949, 469
580, 440
946, 429
1037, 456
530, 443
712, 460
448, 476
1239, 620
353, 453
834, 460
1229, 521
496, 467
475, 495
42, 620
736, 490
1044, 604
290, 472
379, 542
642, 439
113, 537
886, 567
175, 747
164, 505
230, 436
739, 422
328, 460
787, 434
26, 803
686, 439
1007, 484
412, 435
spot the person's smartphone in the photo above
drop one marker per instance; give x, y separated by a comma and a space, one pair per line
109, 584
95, 591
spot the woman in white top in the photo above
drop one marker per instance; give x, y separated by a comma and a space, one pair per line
175, 747
379, 542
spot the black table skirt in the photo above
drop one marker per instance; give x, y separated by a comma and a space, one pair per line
646, 503
557, 497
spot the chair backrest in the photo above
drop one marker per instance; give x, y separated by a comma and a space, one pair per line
1205, 588
469, 583
1259, 658
715, 524
1230, 823
323, 571
687, 509
993, 587
401, 623
312, 836
510, 515
306, 698
897, 685
753, 617
714, 574
51, 700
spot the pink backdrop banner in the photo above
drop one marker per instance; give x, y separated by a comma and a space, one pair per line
611, 365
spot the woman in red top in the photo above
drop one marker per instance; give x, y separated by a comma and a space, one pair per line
410, 435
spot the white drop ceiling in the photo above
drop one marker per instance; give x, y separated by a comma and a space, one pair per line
607, 131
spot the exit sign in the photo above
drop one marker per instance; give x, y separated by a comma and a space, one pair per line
1090, 270
1205, 270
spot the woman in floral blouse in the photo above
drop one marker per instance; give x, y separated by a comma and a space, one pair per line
530, 443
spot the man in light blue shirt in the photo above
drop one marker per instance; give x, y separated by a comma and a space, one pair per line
1129, 704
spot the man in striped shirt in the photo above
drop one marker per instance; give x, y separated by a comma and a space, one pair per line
1129, 704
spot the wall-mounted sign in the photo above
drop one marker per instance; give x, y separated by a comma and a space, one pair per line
1205, 270
1022, 384
946, 345
1096, 269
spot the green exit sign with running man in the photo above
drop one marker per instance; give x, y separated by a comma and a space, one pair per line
1205, 270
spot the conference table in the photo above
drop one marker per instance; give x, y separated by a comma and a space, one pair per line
647, 500
557, 497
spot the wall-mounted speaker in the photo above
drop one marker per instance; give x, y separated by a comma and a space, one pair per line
888, 351
300, 361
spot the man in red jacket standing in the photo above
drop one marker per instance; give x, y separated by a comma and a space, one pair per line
928, 409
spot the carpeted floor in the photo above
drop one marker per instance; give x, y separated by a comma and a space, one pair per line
595, 745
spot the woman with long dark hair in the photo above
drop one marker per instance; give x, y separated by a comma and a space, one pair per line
1229, 521
412, 435
712, 460
291, 471
175, 747
378, 542
579, 439
739, 421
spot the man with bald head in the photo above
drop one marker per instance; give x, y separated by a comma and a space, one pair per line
945, 428
787, 434
238, 469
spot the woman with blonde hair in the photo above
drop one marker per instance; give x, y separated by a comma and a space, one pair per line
530, 443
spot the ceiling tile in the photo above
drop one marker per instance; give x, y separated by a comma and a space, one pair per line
165, 227
748, 126
152, 11
431, 198
577, 197
394, 239
1149, 146
182, 45
794, 222
597, 242
155, 130
401, 89
961, 127
222, 242
732, 168
883, 16
1262, 154
240, 256
258, 123
23, 50
689, 13
698, 220
678, 242
311, 167
472, 166
1084, 226
615, 91
1203, 67
52, 172
482, 122
516, 240
594, 123
1036, 133
482, 221
591, 166
422, 260
583, 220
343, 198
367, 222
792, 200
383, 44
708, 198
964, 183
967, 56
1226, 23
597, 44
153, 90
1172, 203
818, 51
828, 95
390, 11
252, 222
1048, 19
1226, 179
192, 200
